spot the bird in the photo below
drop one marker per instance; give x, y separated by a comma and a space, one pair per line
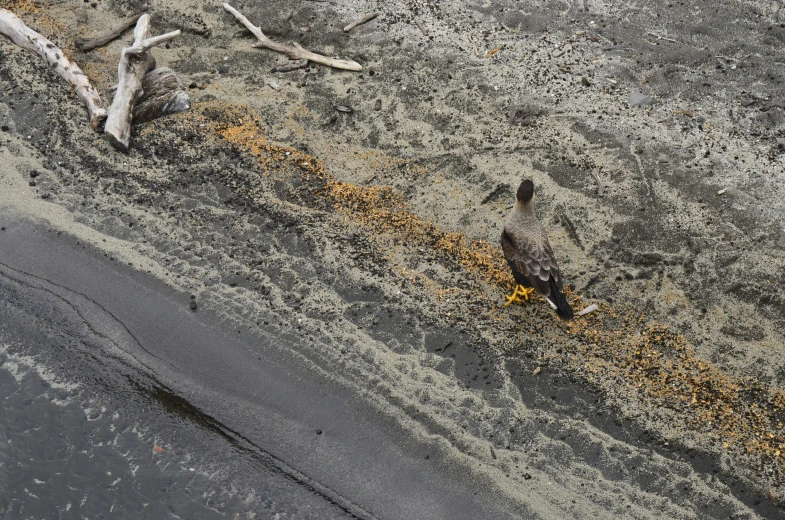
530, 257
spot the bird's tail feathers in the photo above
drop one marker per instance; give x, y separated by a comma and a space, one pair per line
559, 302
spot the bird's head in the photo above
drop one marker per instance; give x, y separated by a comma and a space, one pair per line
525, 192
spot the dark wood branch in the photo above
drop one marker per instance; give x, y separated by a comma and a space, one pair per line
163, 94
88, 44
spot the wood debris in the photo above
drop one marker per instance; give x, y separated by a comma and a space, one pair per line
87, 44
15, 30
359, 21
295, 51
135, 61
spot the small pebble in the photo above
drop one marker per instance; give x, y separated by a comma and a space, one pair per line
318, 432
723, 190
344, 108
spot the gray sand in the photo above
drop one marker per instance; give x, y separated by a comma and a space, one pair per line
393, 318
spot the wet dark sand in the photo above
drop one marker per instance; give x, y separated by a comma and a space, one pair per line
248, 392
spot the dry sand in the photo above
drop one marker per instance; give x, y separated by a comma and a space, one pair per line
374, 233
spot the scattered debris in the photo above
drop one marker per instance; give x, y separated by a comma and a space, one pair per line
158, 449
476, 50
295, 51
671, 40
523, 116
129, 87
420, 26
359, 21
88, 44
591, 308
15, 30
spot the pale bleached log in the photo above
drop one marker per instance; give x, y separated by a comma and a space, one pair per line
134, 64
163, 94
295, 51
15, 30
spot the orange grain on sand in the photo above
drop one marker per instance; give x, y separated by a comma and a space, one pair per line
28, 6
380, 209
615, 347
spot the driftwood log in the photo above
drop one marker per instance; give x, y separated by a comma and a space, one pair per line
135, 61
88, 44
295, 51
15, 30
163, 94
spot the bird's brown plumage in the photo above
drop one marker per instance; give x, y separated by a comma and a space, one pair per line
529, 254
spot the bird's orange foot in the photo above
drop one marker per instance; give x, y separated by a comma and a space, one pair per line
525, 292
520, 290
513, 298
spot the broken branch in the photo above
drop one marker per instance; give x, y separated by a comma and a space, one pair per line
15, 30
422, 28
296, 51
599, 184
88, 44
361, 20
591, 308
134, 64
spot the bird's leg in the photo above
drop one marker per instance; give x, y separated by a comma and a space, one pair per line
520, 290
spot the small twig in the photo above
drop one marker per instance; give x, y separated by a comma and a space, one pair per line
296, 51
476, 50
420, 26
15, 30
87, 44
662, 37
591, 308
359, 21
492, 52
599, 184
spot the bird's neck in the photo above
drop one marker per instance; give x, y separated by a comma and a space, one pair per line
524, 208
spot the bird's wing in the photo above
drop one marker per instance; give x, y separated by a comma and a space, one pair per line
532, 256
